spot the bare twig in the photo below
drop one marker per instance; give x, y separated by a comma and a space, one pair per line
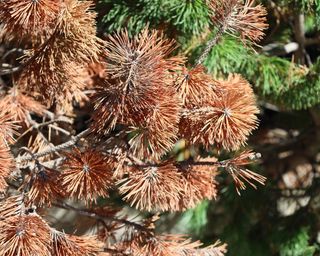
31, 59
10, 70
96, 216
59, 129
210, 44
13, 50
36, 126
57, 148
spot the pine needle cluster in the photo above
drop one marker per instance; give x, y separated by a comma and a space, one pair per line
85, 120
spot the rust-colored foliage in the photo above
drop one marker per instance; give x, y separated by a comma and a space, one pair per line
226, 121
76, 32
73, 91
199, 183
73, 42
137, 65
240, 174
44, 186
172, 245
6, 164
196, 87
86, 175
155, 133
233, 116
21, 106
153, 188
137, 73
138, 93
116, 108
66, 245
25, 234
7, 126
242, 17
10, 207
33, 19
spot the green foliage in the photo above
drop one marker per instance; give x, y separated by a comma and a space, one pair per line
269, 74
195, 220
298, 245
305, 4
188, 16
253, 228
304, 93
185, 17
134, 15
310, 7
250, 224
275, 78
310, 24
237, 221
227, 57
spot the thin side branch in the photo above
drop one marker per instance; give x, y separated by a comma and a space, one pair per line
55, 149
100, 218
210, 44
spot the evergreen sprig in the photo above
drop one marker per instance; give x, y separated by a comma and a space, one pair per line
179, 17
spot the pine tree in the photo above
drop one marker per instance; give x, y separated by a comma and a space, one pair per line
284, 73
135, 115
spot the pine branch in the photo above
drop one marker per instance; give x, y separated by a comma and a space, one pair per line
96, 216
210, 44
32, 58
54, 149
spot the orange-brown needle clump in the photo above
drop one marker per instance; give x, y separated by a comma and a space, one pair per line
199, 183
76, 37
227, 121
138, 64
26, 19
216, 249
51, 66
173, 245
20, 106
156, 131
11, 206
73, 91
240, 17
7, 126
69, 245
86, 175
234, 114
164, 245
137, 71
196, 87
153, 188
26, 235
240, 174
6, 164
44, 186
